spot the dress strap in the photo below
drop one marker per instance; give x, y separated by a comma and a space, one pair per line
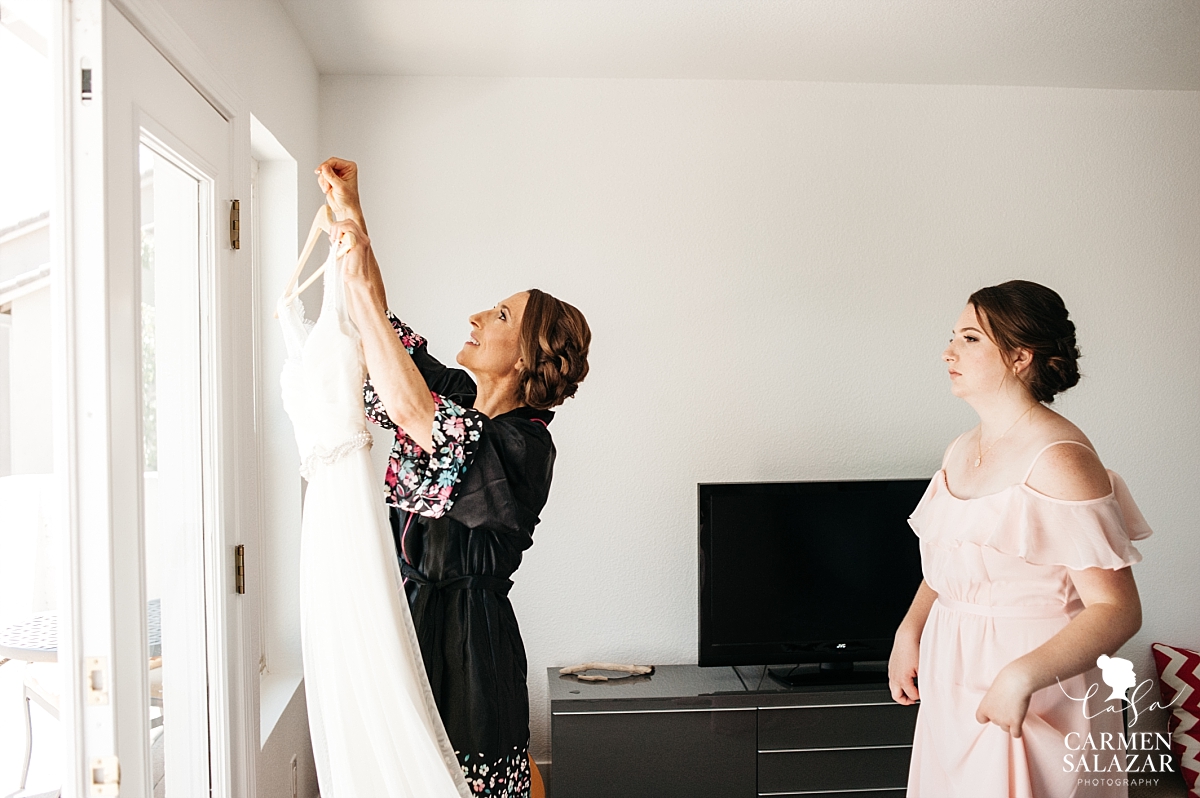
950, 451
1042, 451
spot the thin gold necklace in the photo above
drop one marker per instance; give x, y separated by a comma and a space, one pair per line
979, 443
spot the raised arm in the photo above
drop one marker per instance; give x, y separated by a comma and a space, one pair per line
397, 380
338, 179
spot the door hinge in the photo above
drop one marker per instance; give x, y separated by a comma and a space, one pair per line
235, 225
104, 777
239, 568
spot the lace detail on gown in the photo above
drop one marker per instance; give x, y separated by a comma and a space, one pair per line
336, 453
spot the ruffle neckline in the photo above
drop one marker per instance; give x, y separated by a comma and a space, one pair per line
1021, 522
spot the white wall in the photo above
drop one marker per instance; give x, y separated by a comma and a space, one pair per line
275, 239
258, 50
289, 740
771, 270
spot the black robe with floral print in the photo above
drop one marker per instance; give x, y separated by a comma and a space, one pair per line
462, 517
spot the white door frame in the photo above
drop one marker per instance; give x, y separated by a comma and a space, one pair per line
84, 456
186, 506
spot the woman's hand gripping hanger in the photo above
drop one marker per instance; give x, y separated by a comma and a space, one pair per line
321, 224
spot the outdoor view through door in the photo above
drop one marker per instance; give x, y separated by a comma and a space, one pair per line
30, 497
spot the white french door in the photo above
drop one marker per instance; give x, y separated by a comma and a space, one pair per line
151, 636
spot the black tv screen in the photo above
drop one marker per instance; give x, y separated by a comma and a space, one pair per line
802, 572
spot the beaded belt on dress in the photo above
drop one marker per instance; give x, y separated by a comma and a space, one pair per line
331, 456
1010, 611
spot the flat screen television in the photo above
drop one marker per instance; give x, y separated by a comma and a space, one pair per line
806, 572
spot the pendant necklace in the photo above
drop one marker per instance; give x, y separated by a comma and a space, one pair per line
983, 451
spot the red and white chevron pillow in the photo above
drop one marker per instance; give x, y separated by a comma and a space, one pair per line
1179, 680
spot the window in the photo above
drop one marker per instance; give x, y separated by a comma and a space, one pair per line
29, 539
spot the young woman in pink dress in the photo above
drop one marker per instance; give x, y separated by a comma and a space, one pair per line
1025, 549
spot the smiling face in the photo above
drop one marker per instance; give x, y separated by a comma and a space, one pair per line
494, 346
975, 363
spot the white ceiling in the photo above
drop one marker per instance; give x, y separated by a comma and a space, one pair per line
1136, 44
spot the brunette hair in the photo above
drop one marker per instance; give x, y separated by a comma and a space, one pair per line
554, 345
1024, 315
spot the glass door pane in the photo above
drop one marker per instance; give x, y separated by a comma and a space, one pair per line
171, 252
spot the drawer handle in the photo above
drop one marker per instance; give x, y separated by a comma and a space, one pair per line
841, 748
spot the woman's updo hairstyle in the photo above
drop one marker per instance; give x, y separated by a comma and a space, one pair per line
554, 345
1024, 315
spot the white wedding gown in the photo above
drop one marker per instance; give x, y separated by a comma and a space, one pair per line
375, 728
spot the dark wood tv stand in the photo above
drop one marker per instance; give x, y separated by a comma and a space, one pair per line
692, 732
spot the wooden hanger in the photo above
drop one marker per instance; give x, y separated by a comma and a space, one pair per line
321, 224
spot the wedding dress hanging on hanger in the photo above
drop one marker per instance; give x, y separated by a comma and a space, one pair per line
375, 728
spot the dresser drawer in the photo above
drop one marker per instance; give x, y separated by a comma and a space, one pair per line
789, 772
655, 754
842, 726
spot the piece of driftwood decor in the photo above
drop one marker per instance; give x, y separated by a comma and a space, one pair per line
580, 672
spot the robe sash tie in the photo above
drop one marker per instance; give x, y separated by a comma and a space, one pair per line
495, 584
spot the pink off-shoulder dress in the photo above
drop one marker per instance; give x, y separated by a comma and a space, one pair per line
1000, 565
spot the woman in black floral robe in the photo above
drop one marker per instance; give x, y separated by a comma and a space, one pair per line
467, 479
